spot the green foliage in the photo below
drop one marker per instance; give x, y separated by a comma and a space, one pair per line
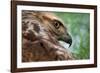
78, 25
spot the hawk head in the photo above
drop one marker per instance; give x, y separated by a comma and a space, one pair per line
46, 23
55, 26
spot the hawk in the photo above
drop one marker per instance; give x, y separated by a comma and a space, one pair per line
41, 32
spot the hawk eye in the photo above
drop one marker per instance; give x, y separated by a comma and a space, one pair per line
56, 24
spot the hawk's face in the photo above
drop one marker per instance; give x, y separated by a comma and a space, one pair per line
46, 21
56, 27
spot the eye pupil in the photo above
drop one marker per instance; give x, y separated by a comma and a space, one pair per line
56, 25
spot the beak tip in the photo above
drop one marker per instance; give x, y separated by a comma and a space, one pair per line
70, 45
69, 41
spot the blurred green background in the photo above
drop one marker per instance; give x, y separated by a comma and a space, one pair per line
78, 25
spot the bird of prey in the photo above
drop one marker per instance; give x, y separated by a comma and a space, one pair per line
41, 32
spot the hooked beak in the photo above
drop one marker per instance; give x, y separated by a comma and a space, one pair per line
69, 41
67, 38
